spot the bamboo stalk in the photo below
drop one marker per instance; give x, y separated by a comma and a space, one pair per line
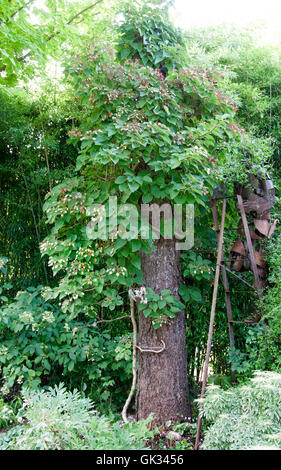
211, 326
226, 291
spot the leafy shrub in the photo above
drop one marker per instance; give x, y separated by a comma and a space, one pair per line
62, 420
38, 347
263, 341
7, 416
253, 357
270, 306
241, 154
244, 417
152, 39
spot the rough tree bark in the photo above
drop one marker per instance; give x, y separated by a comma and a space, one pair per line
162, 378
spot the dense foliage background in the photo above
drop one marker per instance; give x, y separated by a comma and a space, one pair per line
67, 101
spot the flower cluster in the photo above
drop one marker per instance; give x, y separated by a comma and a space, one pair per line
67, 203
57, 263
132, 127
98, 214
3, 350
159, 75
117, 270
48, 317
179, 138
113, 95
26, 317
90, 135
75, 133
5, 389
200, 269
139, 294
235, 128
3, 261
48, 245
84, 260
86, 252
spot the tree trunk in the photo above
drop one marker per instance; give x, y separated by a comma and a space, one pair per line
162, 378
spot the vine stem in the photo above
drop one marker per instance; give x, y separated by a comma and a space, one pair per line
134, 363
153, 350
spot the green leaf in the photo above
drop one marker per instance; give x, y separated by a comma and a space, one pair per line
147, 312
121, 179
124, 54
119, 243
146, 198
162, 304
184, 293
133, 186
136, 245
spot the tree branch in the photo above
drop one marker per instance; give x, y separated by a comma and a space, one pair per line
96, 322
21, 8
21, 59
84, 11
76, 16
17, 11
113, 319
